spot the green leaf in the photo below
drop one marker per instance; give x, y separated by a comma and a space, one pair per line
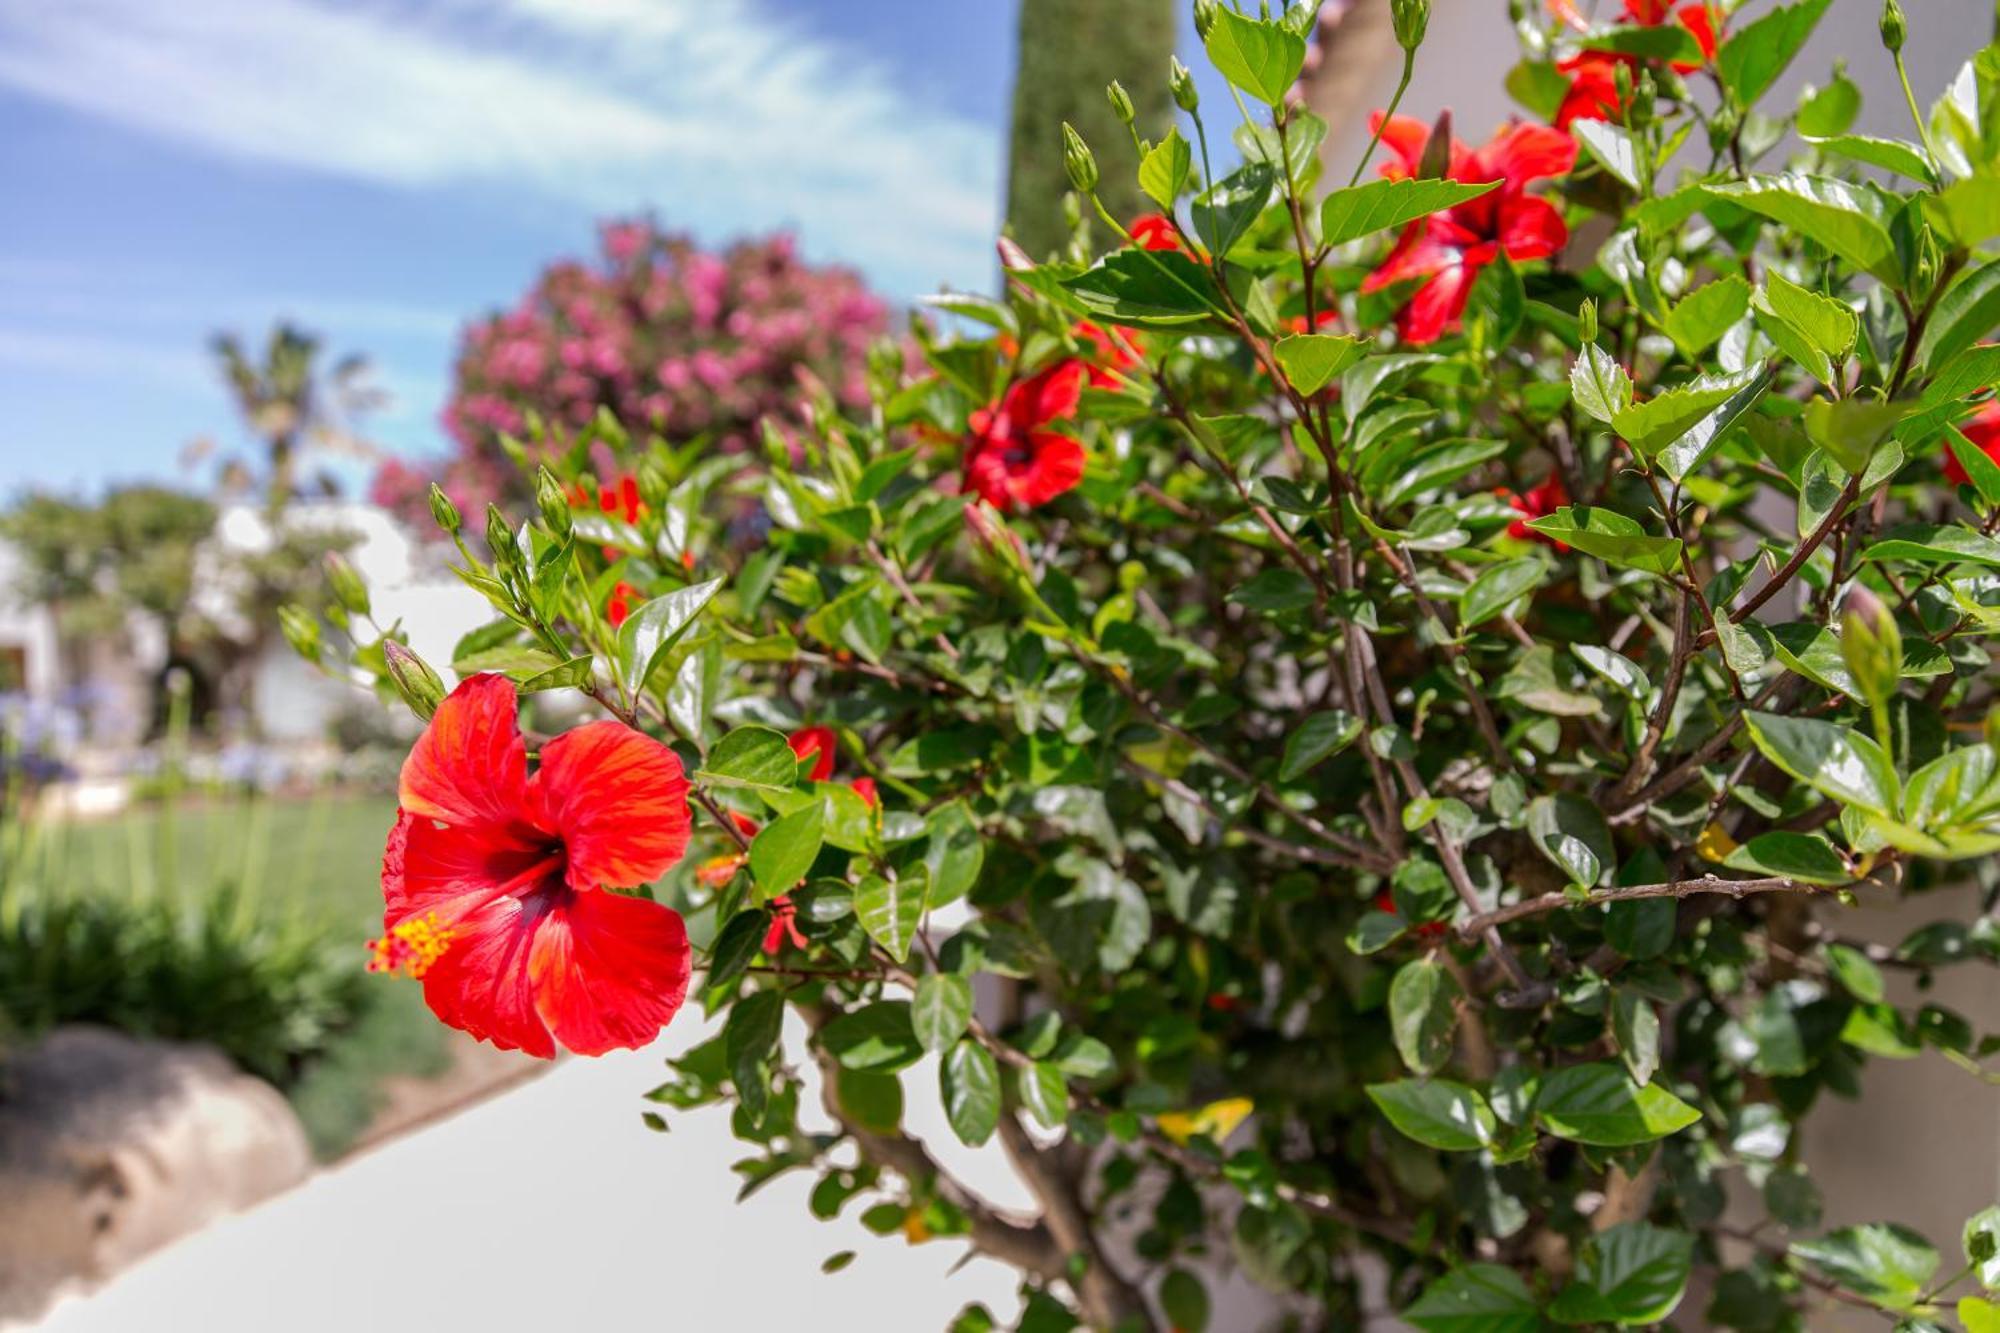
1851, 221
1830, 758
1851, 429
1148, 289
1599, 384
969, 1081
1478, 1298
1261, 57
1705, 314
1044, 1092
1599, 1104
650, 632
1615, 149
1320, 735
571, 675
752, 757
1571, 832
1805, 857
1889, 1264
1981, 469
1497, 588
1361, 210
1682, 456
1830, 325
1438, 465
872, 1101
1224, 211
1667, 416
1610, 537
1931, 543
1164, 172
877, 1038
954, 855
1982, 1246
784, 849
1897, 155
1855, 972
941, 1009
1751, 60
889, 909
1437, 1112
736, 944
1635, 1024
1623, 673
1632, 1273
1968, 212
1423, 1014
1964, 315
1275, 592
1184, 1300
1312, 360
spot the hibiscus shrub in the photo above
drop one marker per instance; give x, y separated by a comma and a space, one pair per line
1341, 726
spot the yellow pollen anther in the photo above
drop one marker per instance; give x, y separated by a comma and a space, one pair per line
411, 948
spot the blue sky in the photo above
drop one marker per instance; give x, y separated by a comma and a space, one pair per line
381, 170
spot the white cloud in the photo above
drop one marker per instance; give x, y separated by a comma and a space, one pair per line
710, 111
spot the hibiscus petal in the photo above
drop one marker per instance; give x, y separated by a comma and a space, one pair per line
470, 766
481, 983
1049, 396
1522, 153
1417, 255
609, 971
1436, 307
449, 870
619, 801
1404, 137
1531, 228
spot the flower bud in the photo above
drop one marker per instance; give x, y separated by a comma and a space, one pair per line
1410, 18
1436, 160
1078, 161
654, 484
1871, 645
301, 631
414, 680
1121, 102
553, 503
348, 589
1204, 17
500, 538
443, 512
1586, 318
1893, 26
1186, 96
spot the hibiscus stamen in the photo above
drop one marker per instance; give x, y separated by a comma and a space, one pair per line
411, 947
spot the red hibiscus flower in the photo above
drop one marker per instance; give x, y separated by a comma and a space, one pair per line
1537, 502
865, 789
1446, 250
817, 744
495, 880
1013, 460
1984, 432
1115, 352
618, 606
1593, 75
1154, 231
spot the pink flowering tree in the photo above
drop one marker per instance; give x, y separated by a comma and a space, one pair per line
1342, 725
674, 341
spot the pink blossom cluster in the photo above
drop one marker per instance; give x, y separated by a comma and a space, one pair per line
672, 339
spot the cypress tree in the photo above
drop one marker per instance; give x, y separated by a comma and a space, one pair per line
1069, 51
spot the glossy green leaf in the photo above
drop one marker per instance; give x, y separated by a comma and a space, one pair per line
1897, 155
1632, 1273
1148, 289
1757, 53
1931, 543
1611, 537
1044, 1092
1497, 588
941, 1009
1163, 173
1691, 449
876, 1038
1478, 1298
1667, 416
1849, 220
1600, 1104
1423, 1014
1261, 57
1362, 210
1437, 1112
889, 909
969, 1082
1570, 831
650, 632
1599, 384
1850, 430
1888, 1264
1635, 1025
784, 849
1965, 314
756, 757
1314, 739
1834, 760
1311, 361
1805, 857
1698, 319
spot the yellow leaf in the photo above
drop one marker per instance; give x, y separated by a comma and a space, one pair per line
1714, 844
1218, 1120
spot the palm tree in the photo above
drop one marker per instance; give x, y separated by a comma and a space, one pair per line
291, 409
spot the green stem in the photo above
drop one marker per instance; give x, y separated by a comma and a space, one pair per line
1916, 116
1402, 86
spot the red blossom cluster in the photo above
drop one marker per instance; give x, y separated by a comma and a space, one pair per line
667, 336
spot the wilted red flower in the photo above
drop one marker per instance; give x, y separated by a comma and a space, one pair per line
1446, 250
1984, 432
1013, 461
784, 926
496, 881
1537, 502
817, 744
618, 606
717, 871
1154, 231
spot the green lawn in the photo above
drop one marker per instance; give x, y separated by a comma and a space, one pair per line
317, 862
